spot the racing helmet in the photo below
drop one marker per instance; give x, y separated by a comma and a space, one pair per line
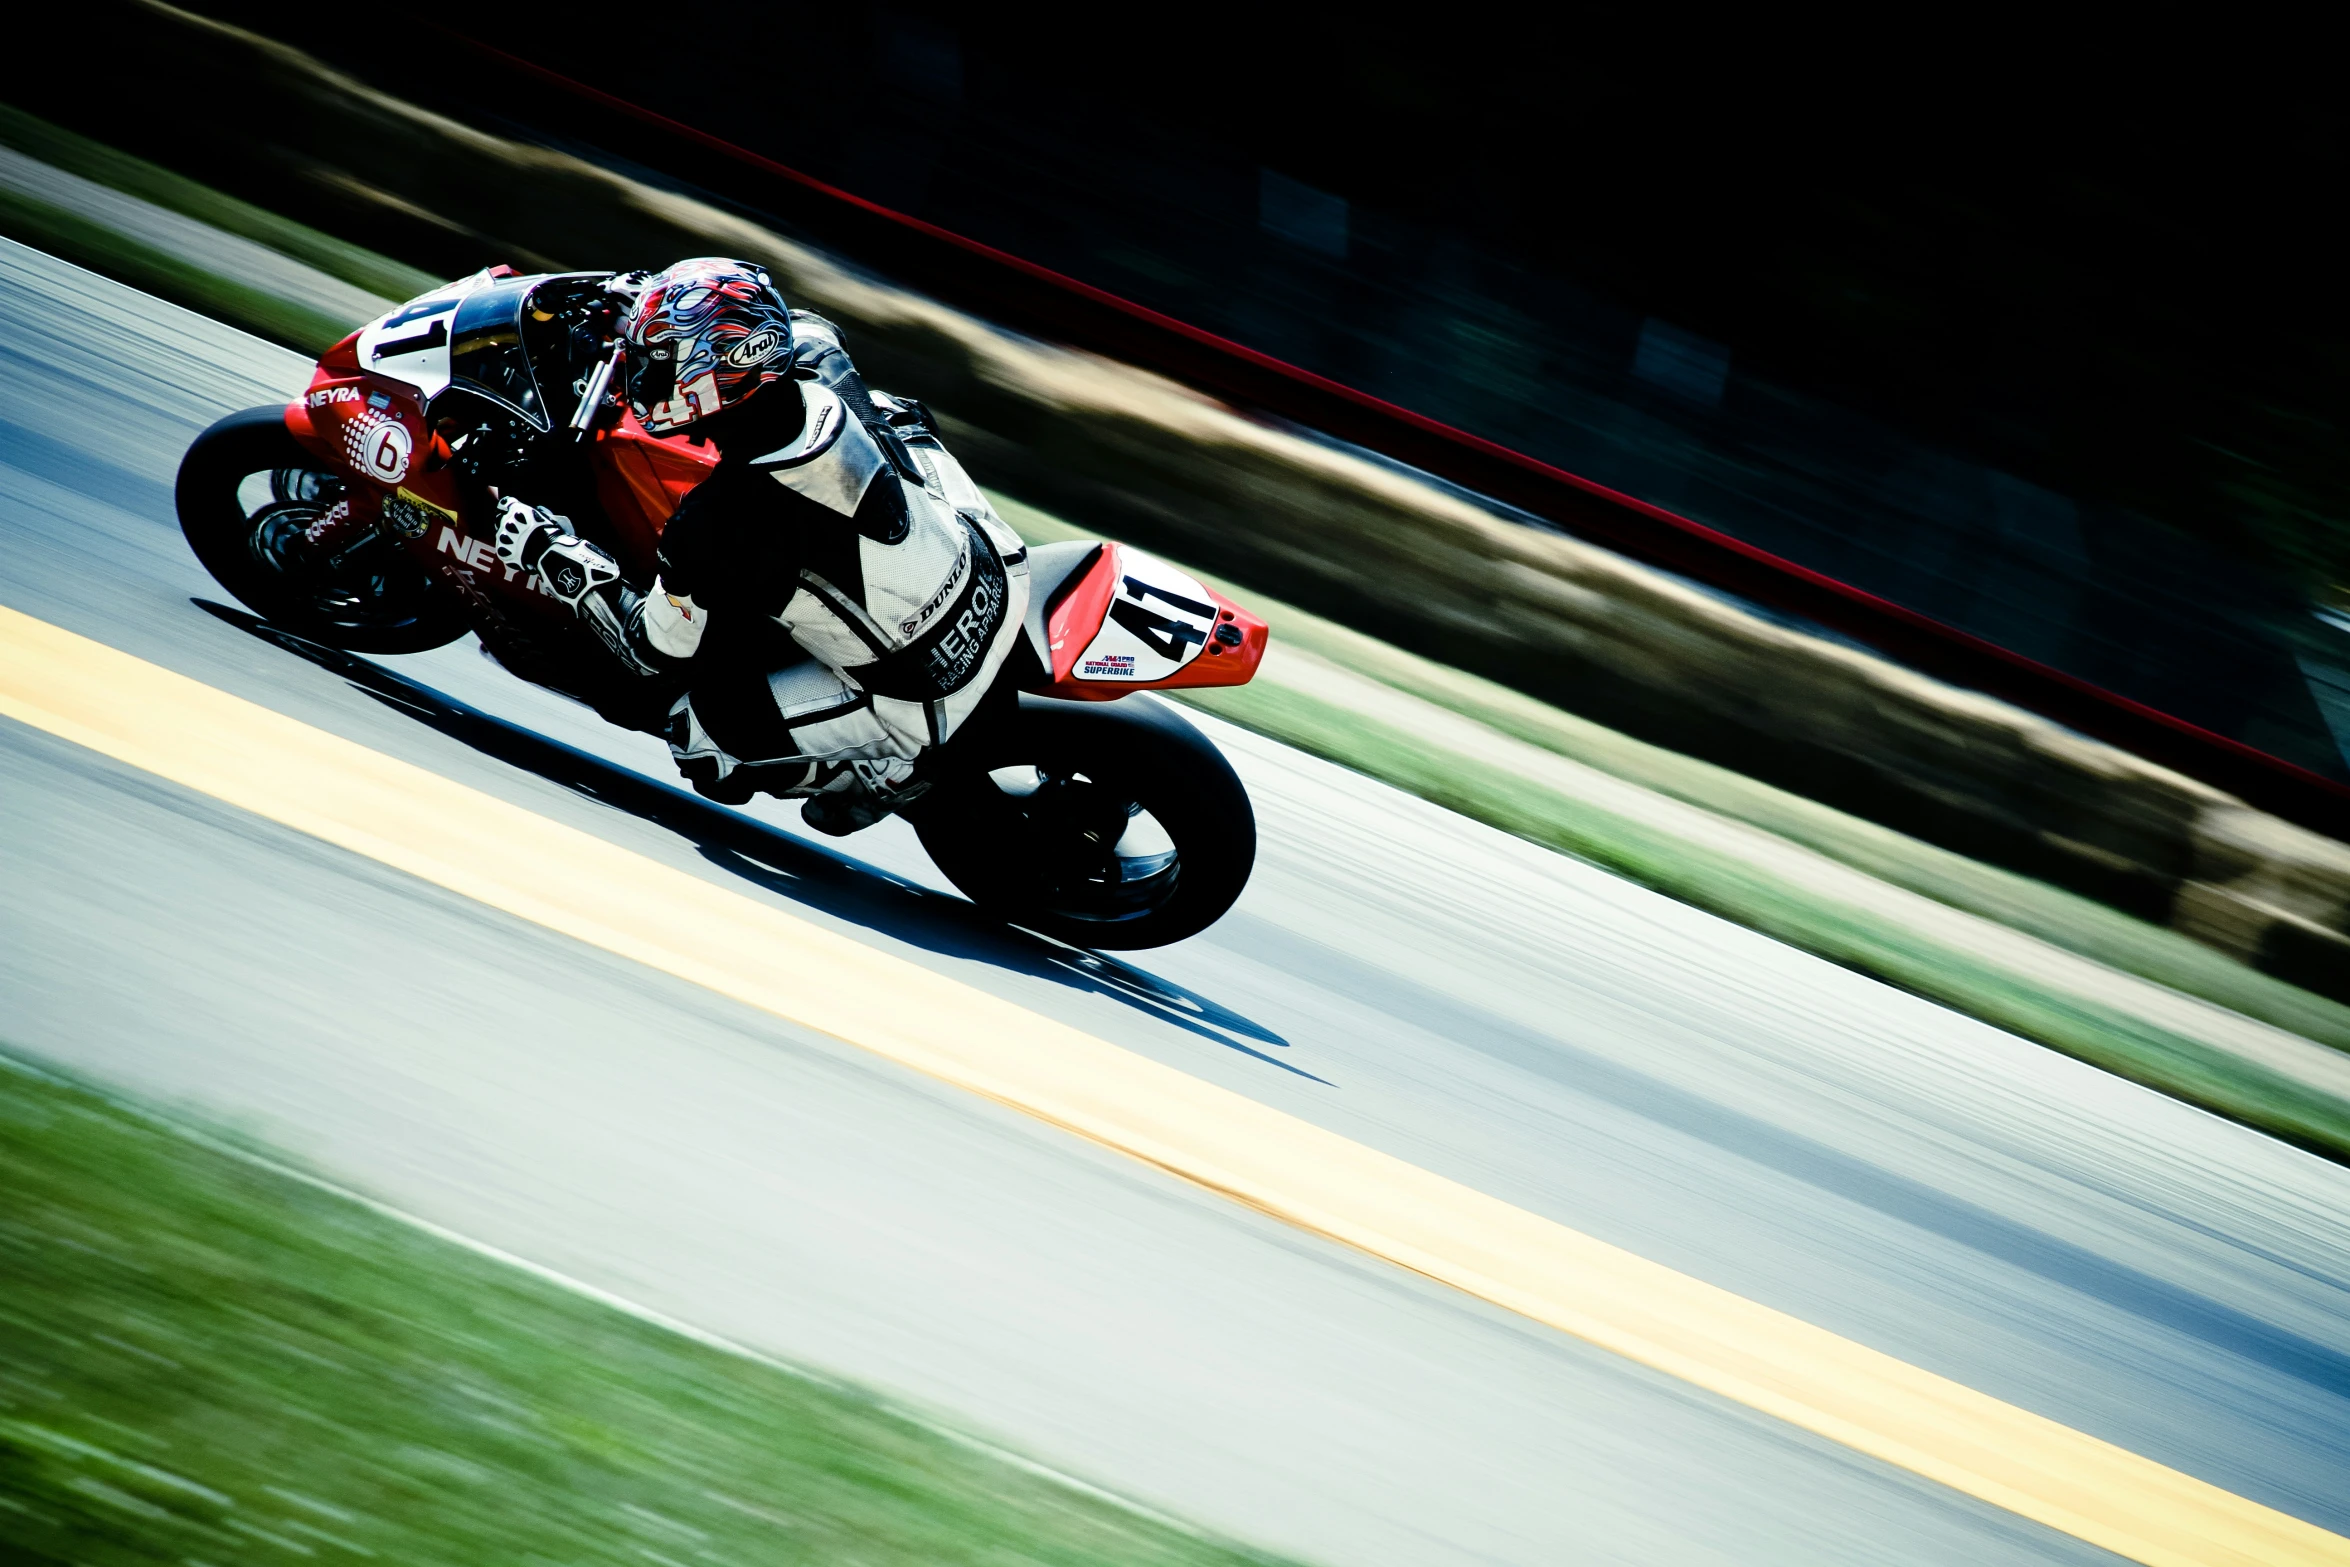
705, 335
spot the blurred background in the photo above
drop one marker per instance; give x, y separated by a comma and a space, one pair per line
2035, 333
1882, 487
2046, 344
2013, 361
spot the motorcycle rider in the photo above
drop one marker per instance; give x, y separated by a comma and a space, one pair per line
834, 515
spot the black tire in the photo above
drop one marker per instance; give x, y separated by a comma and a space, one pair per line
1047, 857
383, 603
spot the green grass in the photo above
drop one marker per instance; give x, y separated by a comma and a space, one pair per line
205, 1360
92, 160
2063, 919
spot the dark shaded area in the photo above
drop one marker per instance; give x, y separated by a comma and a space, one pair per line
2103, 269
2039, 352
267, 131
803, 872
2046, 347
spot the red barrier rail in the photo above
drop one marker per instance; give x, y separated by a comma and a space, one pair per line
1031, 298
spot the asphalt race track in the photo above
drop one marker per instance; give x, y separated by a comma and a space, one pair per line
1505, 1017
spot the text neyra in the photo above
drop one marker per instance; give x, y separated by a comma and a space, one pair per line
477, 554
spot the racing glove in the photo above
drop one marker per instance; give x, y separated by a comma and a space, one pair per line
534, 539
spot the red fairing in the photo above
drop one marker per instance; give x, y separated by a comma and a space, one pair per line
372, 430
298, 425
342, 359
640, 478
1227, 665
339, 363
1135, 623
368, 427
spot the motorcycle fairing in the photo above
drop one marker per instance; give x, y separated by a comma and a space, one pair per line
1132, 622
368, 413
411, 345
640, 479
467, 334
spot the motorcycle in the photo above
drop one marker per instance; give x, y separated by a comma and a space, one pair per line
360, 515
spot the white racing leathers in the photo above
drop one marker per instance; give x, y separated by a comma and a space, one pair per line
906, 610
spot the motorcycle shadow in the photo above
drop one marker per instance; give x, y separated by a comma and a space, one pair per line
802, 872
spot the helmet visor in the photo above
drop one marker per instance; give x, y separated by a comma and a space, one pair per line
651, 377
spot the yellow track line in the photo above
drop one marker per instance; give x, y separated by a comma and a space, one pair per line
576, 883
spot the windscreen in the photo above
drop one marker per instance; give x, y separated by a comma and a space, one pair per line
486, 352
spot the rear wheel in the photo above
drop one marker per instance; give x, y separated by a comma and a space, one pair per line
1115, 827
247, 493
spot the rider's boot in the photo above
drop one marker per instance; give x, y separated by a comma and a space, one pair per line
855, 795
841, 797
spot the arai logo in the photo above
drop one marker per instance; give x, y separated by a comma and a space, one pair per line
755, 349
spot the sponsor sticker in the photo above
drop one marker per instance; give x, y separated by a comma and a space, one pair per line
1113, 666
756, 349
414, 499
410, 514
938, 601
958, 651
333, 394
478, 554
388, 448
409, 522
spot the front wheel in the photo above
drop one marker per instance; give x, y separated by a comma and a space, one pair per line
1115, 827
248, 491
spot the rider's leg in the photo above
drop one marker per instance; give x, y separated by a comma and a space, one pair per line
796, 731
802, 730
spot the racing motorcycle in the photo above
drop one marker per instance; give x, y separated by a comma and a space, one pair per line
361, 514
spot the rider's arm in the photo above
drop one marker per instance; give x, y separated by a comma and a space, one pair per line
650, 635
817, 355
816, 352
732, 547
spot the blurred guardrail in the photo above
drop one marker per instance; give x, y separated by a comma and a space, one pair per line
1033, 298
